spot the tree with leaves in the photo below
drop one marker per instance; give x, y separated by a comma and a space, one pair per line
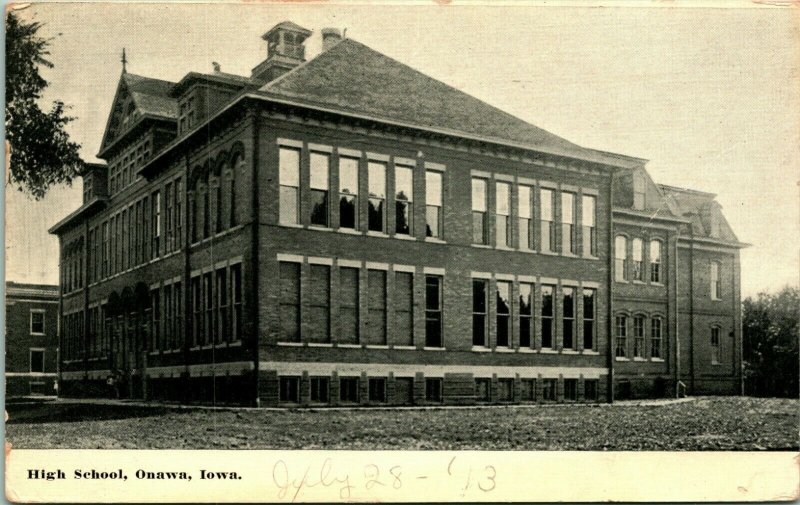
771, 328
42, 154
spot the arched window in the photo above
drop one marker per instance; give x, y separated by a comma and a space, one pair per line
655, 261
621, 258
218, 203
638, 259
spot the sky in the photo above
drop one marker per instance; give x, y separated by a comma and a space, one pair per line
711, 96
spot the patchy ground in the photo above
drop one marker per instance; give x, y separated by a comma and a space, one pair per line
699, 424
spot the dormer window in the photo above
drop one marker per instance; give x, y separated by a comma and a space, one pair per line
186, 118
638, 191
87, 188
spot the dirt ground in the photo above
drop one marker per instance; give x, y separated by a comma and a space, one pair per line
723, 423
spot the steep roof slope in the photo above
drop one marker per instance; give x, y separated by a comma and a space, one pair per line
704, 212
353, 78
152, 95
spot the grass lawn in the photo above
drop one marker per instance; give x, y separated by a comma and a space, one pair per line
725, 423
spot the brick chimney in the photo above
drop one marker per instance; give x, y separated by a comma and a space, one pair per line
330, 37
285, 51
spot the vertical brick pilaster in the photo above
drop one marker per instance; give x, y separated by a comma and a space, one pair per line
581, 390
334, 389
419, 388
305, 389
363, 389
390, 389
560, 389
539, 389
494, 389
517, 388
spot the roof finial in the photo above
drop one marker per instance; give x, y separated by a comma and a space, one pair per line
124, 62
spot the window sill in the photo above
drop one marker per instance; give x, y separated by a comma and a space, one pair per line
376, 346
569, 351
403, 236
621, 281
590, 257
480, 348
639, 359
434, 349
505, 349
316, 227
504, 248
526, 250
405, 347
349, 231
481, 246
37, 334
659, 284
433, 240
548, 350
657, 360
590, 353
377, 234
284, 225
349, 346
640, 283
319, 344
568, 254
290, 344
549, 253
526, 350
620, 358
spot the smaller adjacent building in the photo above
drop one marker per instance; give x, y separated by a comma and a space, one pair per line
31, 340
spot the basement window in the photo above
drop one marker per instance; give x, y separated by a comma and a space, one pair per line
348, 390
320, 388
527, 390
290, 389
377, 390
590, 390
549, 390
505, 390
433, 390
570, 390
483, 390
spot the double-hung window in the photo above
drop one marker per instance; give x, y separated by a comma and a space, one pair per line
568, 245
568, 316
715, 282
638, 259
621, 258
376, 173
289, 301
525, 206
479, 312
621, 336
638, 337
589, 225
546, 233
403, 200
433, 311
503, 297
503, 214
289, 178
37, 322
236, 297
655, 261
434, 220
525, 314
319, 168
715, 345
348, 193
156, 217
655, 337
547, 316
589, 317
479, 206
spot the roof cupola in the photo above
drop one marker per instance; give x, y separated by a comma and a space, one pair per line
285, 50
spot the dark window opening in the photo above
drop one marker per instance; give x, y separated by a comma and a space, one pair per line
290, 389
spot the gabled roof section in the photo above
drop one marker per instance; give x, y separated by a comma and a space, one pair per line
353, 78
150, 97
